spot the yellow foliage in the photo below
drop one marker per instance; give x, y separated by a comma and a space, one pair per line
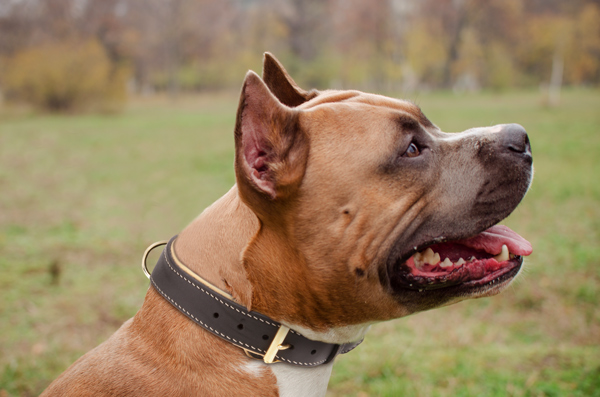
500, 70
575, 40
425, 51
65, 76
544, 35
470, 56
582, 62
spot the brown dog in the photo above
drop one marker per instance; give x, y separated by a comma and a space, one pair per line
349, 209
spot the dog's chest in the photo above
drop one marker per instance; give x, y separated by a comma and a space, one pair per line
295, 381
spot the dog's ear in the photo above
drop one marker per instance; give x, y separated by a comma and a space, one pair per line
282, 85
271, 148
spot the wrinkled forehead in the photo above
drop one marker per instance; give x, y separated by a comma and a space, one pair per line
379, 101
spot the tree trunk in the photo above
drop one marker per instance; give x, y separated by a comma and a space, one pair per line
555, 79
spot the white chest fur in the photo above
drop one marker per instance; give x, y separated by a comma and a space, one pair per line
294, 381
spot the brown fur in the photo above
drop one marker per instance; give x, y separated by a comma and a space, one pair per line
324, 206
161, 353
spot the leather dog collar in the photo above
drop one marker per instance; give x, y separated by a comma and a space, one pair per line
214, 310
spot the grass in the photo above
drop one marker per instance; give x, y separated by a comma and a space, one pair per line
82, 196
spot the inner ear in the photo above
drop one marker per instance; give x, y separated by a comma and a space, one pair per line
271, 149
282, 85
257, 151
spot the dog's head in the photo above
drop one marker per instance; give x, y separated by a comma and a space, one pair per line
367, 210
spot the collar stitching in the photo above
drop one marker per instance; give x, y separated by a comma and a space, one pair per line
229, 306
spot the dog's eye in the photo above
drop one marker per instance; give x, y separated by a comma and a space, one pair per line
412, 151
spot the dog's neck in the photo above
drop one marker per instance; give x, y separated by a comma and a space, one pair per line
212, 245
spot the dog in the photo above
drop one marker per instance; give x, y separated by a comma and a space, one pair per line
349, 209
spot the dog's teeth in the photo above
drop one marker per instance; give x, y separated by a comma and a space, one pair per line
427, 255
418, 259
446, 263
502, 256
471, 259
460, 262
433, 258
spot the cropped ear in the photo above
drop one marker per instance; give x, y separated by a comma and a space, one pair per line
271, 148
282, 85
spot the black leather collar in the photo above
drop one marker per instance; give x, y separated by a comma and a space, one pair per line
256, 333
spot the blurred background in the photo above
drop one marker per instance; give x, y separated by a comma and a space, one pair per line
62, 54
116, 121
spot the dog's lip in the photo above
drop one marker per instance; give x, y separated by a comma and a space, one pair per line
481, 269
508, 271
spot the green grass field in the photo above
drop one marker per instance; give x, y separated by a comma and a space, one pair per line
82, 196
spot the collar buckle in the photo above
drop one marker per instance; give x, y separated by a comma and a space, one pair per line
275, 346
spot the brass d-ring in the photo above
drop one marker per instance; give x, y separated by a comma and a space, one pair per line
147, 252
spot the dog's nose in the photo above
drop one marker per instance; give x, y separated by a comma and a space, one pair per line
514, 138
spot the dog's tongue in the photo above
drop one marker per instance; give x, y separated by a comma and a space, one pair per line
492, 240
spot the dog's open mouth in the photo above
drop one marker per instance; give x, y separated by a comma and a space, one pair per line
492, 256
